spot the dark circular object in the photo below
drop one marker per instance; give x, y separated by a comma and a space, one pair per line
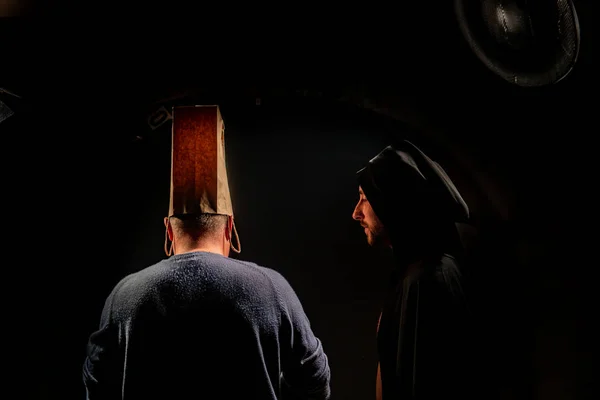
526, 42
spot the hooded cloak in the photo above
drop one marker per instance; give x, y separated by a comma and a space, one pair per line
423, 335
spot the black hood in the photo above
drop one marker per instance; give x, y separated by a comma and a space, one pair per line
415, 200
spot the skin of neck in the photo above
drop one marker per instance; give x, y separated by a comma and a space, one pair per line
212, 245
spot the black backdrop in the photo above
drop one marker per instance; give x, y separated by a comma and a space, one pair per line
84, 198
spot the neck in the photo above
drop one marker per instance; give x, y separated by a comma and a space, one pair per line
216, 248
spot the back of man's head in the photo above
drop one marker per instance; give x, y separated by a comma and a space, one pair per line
197, 227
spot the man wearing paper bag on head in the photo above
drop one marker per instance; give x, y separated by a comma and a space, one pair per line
200, 324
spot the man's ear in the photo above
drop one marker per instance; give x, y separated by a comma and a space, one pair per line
229, 229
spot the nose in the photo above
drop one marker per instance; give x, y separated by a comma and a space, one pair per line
357, 213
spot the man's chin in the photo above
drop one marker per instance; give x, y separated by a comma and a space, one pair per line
373, 242
376, 241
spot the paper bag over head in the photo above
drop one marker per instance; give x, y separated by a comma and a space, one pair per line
198, 171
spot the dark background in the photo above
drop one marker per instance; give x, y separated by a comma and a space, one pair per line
86, 179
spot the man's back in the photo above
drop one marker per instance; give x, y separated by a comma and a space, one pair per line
206, 326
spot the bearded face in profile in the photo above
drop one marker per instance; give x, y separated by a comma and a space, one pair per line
373, 227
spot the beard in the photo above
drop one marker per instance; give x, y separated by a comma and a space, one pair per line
376, 235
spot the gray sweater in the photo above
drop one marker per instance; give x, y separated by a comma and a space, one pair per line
203, 326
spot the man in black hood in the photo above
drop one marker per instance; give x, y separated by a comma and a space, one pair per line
408, 202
